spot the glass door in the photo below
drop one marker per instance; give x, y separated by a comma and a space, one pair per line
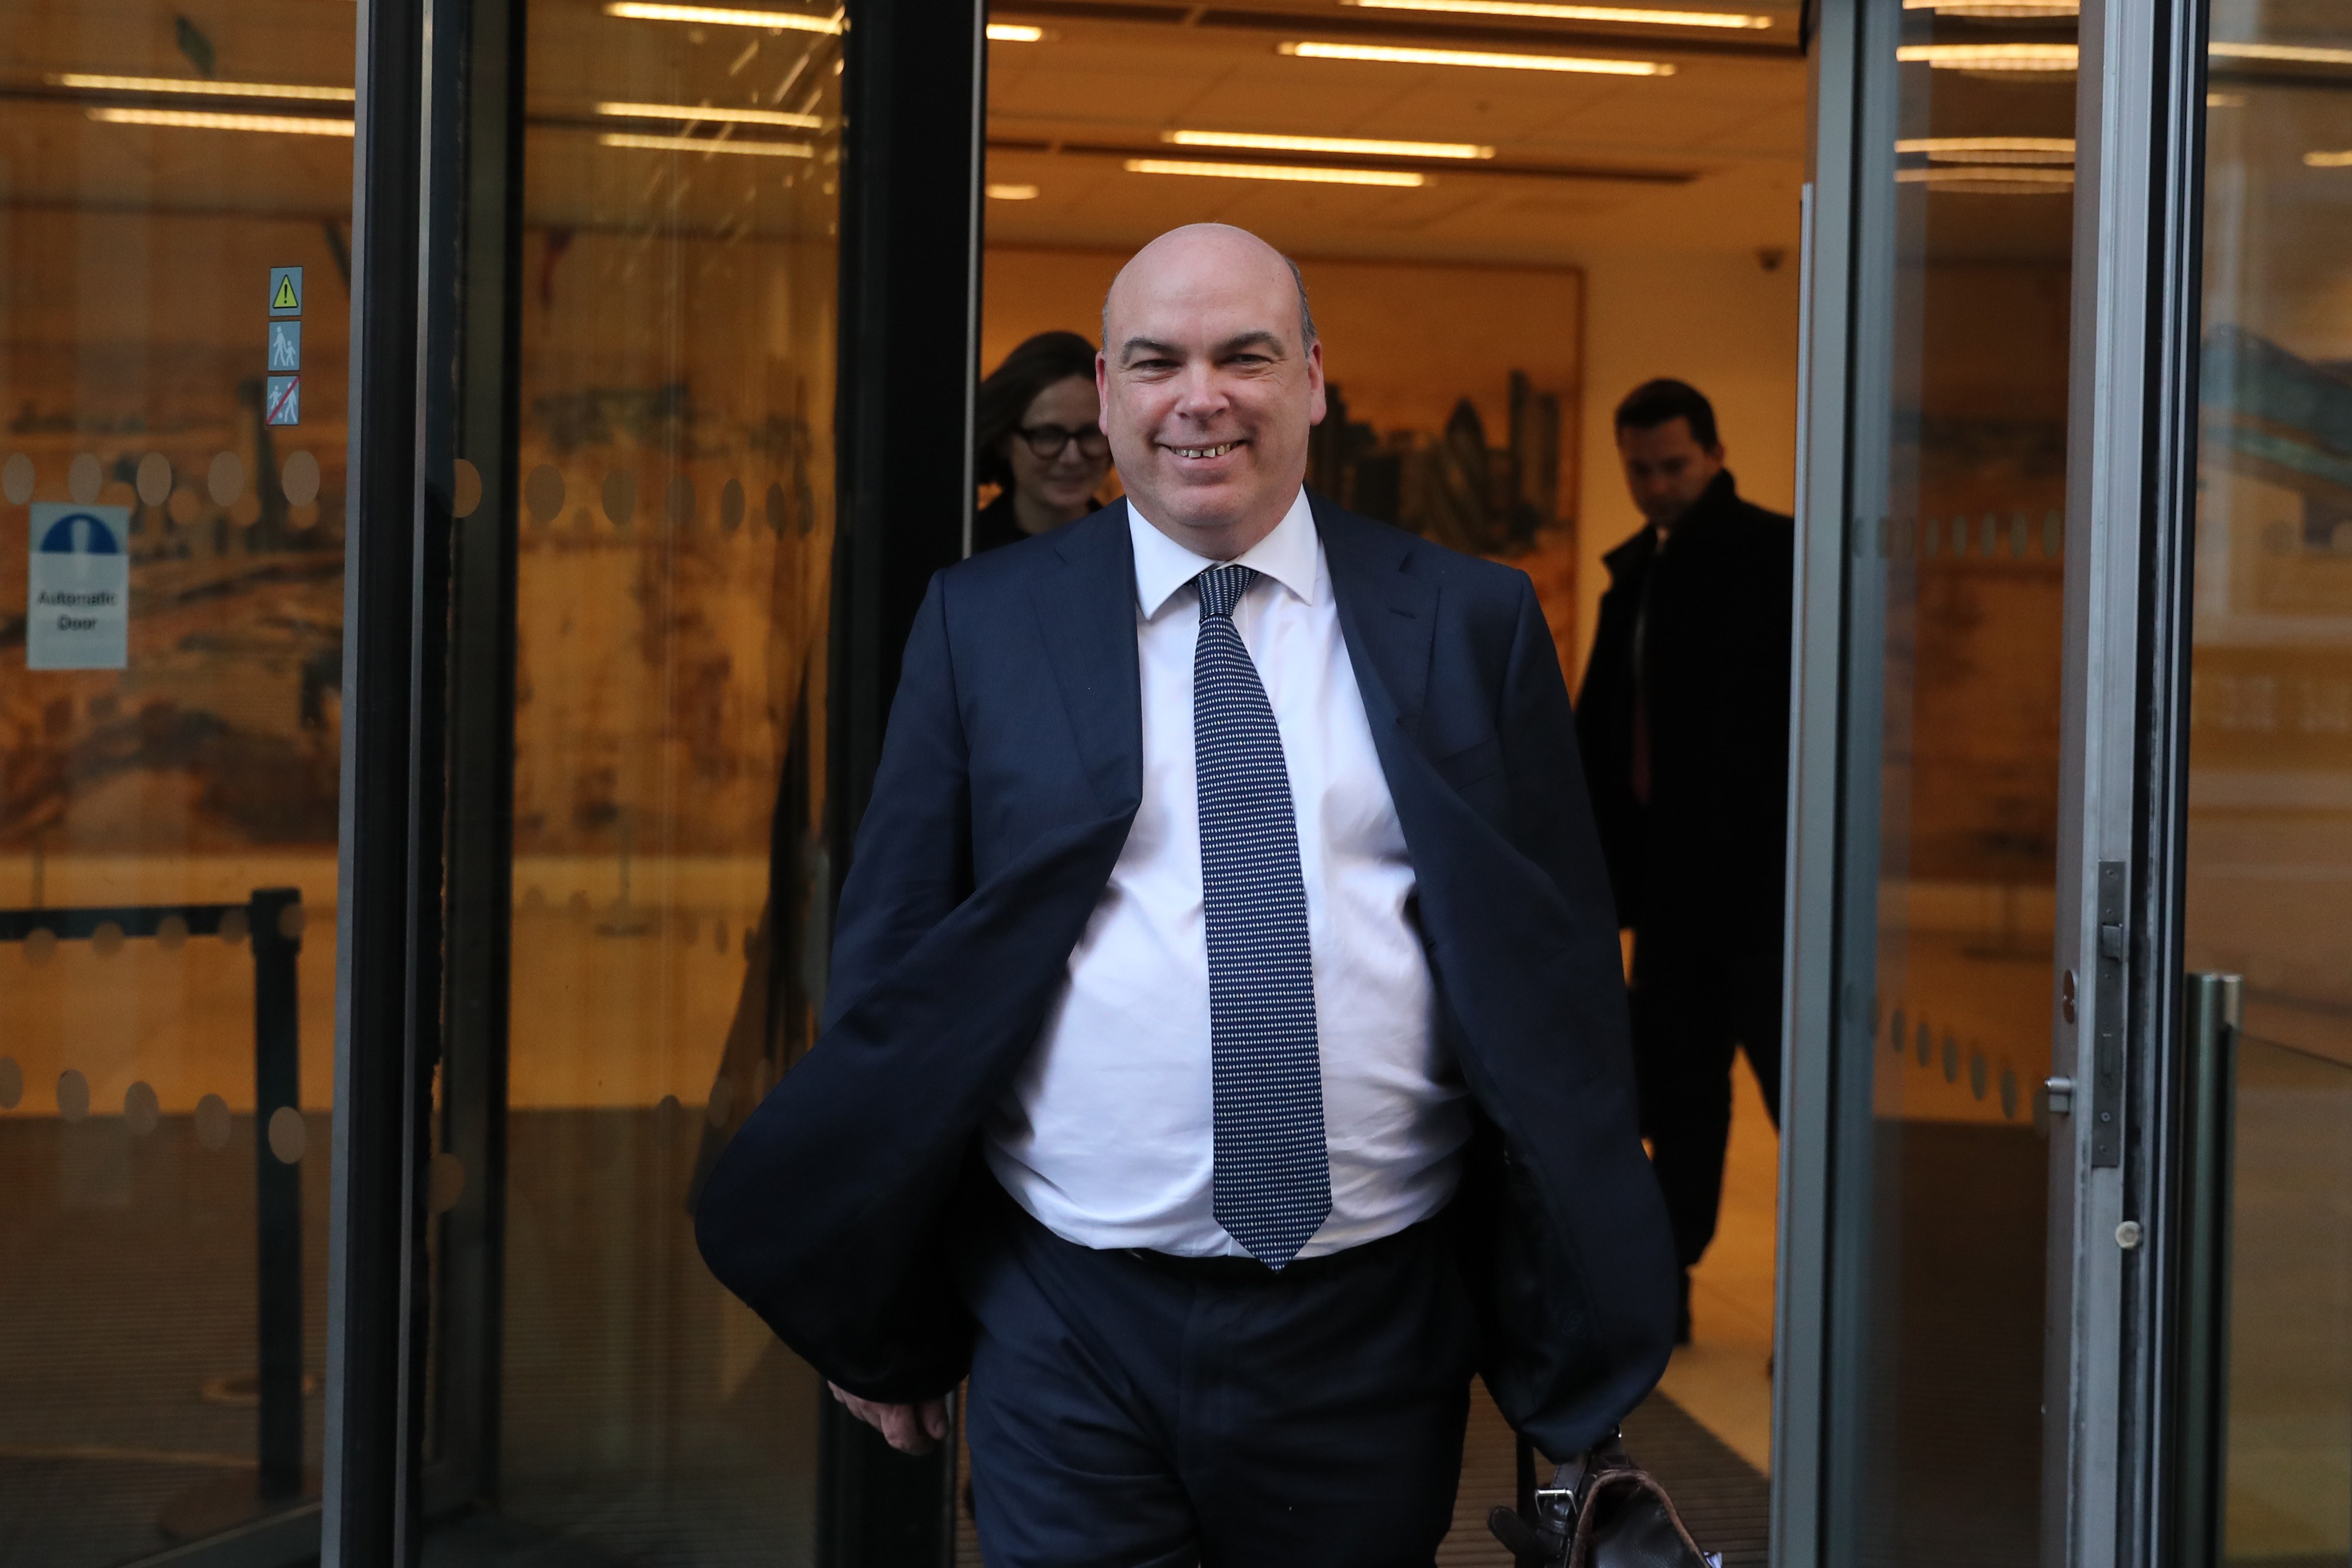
1977, 1099
641, 489
2269, 817
1955, 535
175, 206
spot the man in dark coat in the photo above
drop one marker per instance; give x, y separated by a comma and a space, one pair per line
1226, 1051
1683, 721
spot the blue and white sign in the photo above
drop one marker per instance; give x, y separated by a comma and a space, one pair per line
286, 345
77, 591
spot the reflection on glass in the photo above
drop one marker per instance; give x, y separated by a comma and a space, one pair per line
676, 337
2269, 790
1956, 540
162, 1276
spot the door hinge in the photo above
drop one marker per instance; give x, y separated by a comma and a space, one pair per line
2108, 1007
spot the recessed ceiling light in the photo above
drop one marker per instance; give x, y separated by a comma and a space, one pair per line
1476, 57
1627, 14
1992, 149
1326, 144
1992, 56
1402, 177
1013, 33
725, 16
2297, 54
188, 120
201, 88
696, 114
706, 144
1012, 192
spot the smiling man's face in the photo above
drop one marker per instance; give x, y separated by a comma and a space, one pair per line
1207, 390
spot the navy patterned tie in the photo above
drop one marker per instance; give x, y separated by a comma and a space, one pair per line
1272, 1188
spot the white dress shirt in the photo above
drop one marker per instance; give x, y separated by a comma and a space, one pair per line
1106, 1137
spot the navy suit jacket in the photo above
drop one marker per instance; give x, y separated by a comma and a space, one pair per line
1010, 773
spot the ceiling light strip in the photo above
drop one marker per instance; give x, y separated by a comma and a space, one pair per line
1999, 10
706, 144
193, 119
1385, 55
1355, 145
2293, 53
1302, 174
1013, 33
1637, 16
88, 83
725, 16
699, 113
2004, 175
1992, 56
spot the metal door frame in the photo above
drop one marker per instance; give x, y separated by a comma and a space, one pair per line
2130, 491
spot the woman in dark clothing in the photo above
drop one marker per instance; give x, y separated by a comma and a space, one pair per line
1039, 432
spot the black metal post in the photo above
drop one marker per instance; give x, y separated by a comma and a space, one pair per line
373, 1435
914, 90
2211, 1013
276, 927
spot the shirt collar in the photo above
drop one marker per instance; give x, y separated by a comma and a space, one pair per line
1291, 555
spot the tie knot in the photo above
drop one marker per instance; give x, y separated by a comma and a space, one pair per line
1222, 588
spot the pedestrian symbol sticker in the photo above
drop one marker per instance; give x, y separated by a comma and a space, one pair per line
78, 588
286, 291
281, 400
286, 345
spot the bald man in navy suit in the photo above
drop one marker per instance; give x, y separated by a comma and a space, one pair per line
1226, 1052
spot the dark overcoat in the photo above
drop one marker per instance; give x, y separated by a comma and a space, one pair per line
1705, 859
1010, 773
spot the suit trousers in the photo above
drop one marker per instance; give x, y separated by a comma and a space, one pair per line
1696, 999
1128, 1408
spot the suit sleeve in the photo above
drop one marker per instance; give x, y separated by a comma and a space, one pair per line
1552, 811
912, 860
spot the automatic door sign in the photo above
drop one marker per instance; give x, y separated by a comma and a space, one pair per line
285, 346
281, 400
286, 291
78, 590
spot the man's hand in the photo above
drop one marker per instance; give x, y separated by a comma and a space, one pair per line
909, 1429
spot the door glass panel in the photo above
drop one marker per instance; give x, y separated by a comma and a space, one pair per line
170, 632
2270, 782
670, 496
1956, 539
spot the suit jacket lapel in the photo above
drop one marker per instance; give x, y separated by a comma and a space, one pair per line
1086, 611
1388, 616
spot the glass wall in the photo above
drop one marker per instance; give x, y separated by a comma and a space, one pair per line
2270, 782
175, 216
1956, 539
672, 527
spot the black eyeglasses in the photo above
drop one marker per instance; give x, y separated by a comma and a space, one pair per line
1047, 441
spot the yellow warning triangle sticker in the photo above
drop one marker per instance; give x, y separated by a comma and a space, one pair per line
286, 300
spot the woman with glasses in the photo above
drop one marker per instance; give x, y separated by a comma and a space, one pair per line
1040, 438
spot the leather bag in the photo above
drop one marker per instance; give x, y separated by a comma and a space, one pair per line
1601, 1510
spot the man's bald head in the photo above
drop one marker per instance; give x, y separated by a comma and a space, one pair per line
1211, 377
1246, 240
